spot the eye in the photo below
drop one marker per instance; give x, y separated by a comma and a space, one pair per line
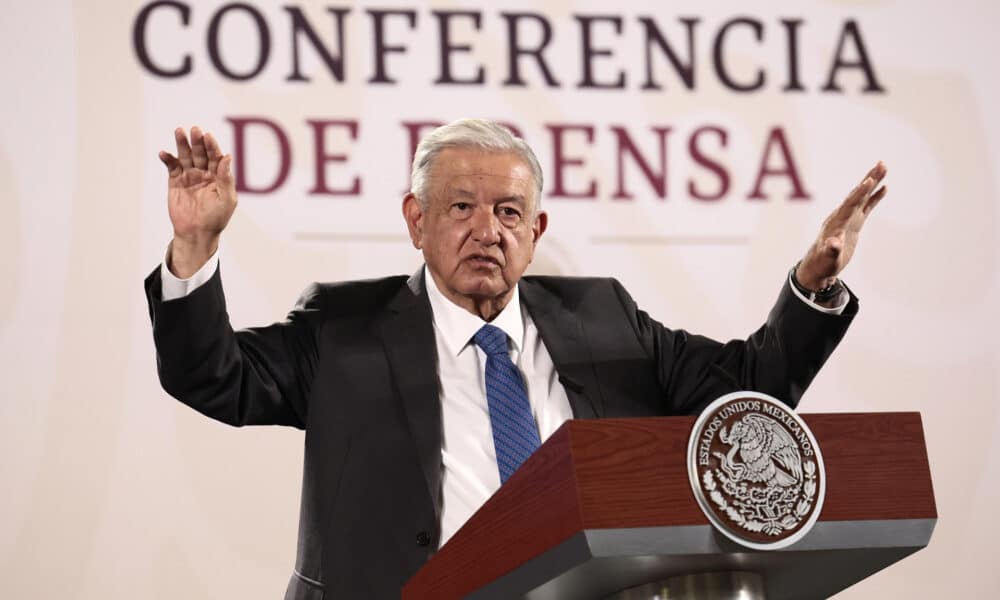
509, 215
460, 209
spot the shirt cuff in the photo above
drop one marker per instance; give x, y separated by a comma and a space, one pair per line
173, 287
845, 298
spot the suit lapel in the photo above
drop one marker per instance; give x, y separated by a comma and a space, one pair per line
564, 338
408, 334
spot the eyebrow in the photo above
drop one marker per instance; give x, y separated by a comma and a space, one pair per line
469, 194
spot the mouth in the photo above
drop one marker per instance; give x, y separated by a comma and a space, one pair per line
482, 261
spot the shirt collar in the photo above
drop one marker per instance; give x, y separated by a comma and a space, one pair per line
457, 325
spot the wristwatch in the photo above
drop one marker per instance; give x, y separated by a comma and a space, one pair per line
818, 296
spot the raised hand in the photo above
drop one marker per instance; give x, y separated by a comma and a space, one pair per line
201, 198
838, 237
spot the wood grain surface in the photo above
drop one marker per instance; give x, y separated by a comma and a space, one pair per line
622, 473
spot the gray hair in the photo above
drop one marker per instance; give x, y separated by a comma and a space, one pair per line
469, 133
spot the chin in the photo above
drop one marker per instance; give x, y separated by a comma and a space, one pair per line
484, 287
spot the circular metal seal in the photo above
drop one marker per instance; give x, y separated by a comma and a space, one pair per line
756, 470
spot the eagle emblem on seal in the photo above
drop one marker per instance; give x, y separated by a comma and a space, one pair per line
756, 470
761, 451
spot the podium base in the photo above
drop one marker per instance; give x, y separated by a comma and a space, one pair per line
731, 585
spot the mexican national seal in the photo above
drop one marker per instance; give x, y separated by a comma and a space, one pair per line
756, 470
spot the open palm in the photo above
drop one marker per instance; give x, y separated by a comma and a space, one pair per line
838, 237
201, 191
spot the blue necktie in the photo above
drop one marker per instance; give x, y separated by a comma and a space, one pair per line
515, 435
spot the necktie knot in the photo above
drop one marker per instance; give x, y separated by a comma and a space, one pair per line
491, 339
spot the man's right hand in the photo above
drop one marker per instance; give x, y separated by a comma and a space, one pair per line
201, 198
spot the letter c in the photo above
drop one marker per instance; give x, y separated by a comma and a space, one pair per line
139, 38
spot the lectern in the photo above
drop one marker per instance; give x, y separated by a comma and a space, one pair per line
604, 509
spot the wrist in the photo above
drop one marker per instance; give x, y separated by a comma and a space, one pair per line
809, 281
819, 290
185, 256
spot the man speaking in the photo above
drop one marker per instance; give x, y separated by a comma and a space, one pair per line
420, 395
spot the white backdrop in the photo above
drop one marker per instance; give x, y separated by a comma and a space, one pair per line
113, 490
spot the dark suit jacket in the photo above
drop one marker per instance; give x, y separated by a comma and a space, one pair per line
354, 364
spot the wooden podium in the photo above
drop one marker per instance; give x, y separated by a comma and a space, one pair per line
605, 505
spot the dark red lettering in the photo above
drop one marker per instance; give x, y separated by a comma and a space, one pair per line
560, 162
656, 179
712, 165
241, 158
322, 158
788, 169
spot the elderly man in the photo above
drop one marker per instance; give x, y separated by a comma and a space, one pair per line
420, 395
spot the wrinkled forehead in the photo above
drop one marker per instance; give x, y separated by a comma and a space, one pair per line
473, 171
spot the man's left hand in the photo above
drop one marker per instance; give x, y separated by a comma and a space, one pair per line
838, 237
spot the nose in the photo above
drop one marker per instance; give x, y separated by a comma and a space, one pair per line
485, 227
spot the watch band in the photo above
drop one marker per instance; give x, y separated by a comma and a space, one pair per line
824, 295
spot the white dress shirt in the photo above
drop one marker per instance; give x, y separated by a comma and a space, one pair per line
173, 287
470, 475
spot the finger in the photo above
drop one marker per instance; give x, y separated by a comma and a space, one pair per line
174, 167
851, 204
875, 199
183, 148
224, 171
873, 178
878, 172
214, 154
224, 176
861, 192
198, 153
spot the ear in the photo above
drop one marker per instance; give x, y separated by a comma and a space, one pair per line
538, 227
413, 213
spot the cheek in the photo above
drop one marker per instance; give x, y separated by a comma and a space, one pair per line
448, 245
519, 246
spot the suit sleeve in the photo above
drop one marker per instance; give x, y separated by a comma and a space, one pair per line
257, 376
780, 358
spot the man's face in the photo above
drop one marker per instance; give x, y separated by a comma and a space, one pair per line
479, 228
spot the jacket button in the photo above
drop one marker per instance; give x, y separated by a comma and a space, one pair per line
423, 539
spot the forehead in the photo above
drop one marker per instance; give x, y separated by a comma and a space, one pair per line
464, 167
